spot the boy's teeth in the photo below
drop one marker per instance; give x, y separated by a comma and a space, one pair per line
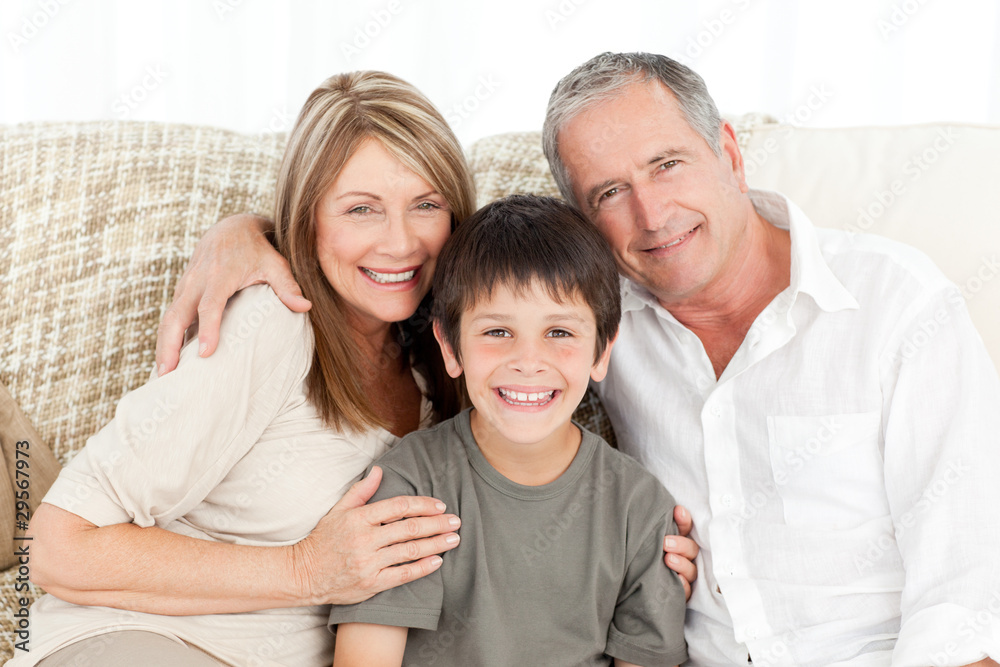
525, 397
389, 277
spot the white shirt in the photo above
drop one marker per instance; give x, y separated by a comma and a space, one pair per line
225, 449
843, 473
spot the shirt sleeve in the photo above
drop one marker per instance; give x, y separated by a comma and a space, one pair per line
416, 604
942, 465
648, 624
176, 437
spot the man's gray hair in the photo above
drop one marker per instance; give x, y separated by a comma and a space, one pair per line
601, 78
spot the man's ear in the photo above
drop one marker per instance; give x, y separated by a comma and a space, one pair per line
451, 362
600, 369
730, 150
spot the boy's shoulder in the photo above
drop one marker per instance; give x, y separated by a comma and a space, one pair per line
427, 454
634, 486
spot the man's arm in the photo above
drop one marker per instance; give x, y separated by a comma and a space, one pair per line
234, 254
349, 557
368, 645
941, 425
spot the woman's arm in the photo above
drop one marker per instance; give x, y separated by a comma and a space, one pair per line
368, 645
349, 557
233, 254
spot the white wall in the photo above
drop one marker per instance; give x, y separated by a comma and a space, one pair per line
248, 64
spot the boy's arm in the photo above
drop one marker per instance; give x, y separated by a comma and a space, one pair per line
369, 645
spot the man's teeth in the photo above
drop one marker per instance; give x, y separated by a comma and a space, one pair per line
390, 277
673, 243
524, 398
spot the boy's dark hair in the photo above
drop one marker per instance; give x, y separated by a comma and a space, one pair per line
516, 240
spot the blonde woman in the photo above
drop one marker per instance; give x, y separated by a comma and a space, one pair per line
196, 528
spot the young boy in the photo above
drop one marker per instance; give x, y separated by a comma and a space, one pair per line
561, 558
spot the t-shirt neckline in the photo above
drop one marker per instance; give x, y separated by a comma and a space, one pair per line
493, 477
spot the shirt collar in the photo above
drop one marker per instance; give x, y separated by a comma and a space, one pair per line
810, 273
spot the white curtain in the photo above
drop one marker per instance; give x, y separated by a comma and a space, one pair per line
249, 64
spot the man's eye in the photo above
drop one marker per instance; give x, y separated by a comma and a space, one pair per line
610, 193
498, 333
669, 164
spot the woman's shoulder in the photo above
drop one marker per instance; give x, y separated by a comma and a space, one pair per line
256, 313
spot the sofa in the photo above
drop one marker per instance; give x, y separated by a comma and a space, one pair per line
97, 221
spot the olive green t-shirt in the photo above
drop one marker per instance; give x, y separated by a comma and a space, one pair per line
568, 573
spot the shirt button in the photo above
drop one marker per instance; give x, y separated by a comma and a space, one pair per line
727, 500
752, 633
716, 410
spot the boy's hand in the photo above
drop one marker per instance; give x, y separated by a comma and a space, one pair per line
358, 550
681, 550
233, 254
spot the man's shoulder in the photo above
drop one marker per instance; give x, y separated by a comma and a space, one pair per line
860, 258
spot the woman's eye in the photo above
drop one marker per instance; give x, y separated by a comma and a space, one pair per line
427, 206
498, 333
361, 210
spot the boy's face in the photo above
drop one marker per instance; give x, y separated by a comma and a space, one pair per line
527, 361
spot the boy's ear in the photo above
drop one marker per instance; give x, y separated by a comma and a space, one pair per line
600, 369
451, 362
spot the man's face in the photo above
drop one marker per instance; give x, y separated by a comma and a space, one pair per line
674, 213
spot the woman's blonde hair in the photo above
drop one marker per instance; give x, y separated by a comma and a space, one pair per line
346, 110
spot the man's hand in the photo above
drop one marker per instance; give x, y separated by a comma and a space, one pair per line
359, 550
682, 550
233, 254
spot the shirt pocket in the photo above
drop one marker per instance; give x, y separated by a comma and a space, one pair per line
828, 469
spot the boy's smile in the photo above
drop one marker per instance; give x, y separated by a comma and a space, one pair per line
527, 361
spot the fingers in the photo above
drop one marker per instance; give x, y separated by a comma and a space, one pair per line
276, 273
683, 520
681, 552
402, 532
402, 507
361, 491
417, 550
391, 577
682, 566
683, 547
209, 321
170, 334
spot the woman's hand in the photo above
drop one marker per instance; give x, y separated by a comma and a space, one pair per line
681, 550
233, 254
359, 550
347, 558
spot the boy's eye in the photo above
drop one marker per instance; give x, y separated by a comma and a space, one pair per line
560, 333
498, 333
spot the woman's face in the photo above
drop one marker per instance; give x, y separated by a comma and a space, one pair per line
379, 229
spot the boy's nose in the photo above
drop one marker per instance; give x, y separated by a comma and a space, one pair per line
528, 357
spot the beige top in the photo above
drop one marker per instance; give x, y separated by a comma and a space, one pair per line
226, 449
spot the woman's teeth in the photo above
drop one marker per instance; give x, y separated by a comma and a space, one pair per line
390, 277
523, 398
